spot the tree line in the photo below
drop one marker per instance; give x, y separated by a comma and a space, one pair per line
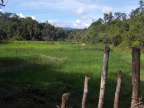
13, 27
119, 29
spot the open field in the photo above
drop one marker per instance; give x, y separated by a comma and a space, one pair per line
64, 71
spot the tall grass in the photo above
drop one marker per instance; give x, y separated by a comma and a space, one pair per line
46, 83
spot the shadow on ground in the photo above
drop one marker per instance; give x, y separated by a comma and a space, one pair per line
4, 42
43, 86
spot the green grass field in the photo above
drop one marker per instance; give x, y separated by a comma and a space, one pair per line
43, 85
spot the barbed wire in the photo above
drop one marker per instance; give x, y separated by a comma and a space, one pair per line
139, 104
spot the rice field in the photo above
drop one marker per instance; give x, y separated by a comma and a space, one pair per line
62, 68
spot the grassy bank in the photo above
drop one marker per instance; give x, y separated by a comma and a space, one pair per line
43, 85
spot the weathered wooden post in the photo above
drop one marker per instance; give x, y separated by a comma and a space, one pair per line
117, 93
85, 92
65, 100
135, 75
104, 76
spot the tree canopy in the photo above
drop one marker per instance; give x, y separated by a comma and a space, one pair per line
118, 29
14, 27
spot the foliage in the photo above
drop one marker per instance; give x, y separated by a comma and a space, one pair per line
117, 29
13, 26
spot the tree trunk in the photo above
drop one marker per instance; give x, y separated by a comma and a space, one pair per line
135, 75
85, 92
65, 100
117, 93
104, 76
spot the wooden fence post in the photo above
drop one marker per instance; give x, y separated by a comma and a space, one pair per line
85, 92
135, 75
65, 100
117, 93
104, 76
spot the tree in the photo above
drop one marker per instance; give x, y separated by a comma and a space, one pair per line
1, 4
141, 3
110, 17
135, 13
98, 22
106, 17
124, 16
117, 15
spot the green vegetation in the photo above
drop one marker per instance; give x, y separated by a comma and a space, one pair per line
12, 27
43, 85
60, 66
118, 29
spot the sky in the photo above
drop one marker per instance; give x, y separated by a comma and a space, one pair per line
68, 13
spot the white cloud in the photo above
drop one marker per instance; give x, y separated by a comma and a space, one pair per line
77, 24
42, 21
84, 17
60, 23
0, 10
79, 11
21, 15
107, 9
33, 17
53, 21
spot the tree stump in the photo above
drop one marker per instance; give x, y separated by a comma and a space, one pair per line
65, 100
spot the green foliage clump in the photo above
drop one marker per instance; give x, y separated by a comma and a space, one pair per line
136, 44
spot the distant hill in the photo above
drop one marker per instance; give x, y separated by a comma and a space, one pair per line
68, 28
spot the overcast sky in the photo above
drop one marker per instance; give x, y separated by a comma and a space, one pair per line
68, 13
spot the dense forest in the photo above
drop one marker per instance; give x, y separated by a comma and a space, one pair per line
118, 29
13, 27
